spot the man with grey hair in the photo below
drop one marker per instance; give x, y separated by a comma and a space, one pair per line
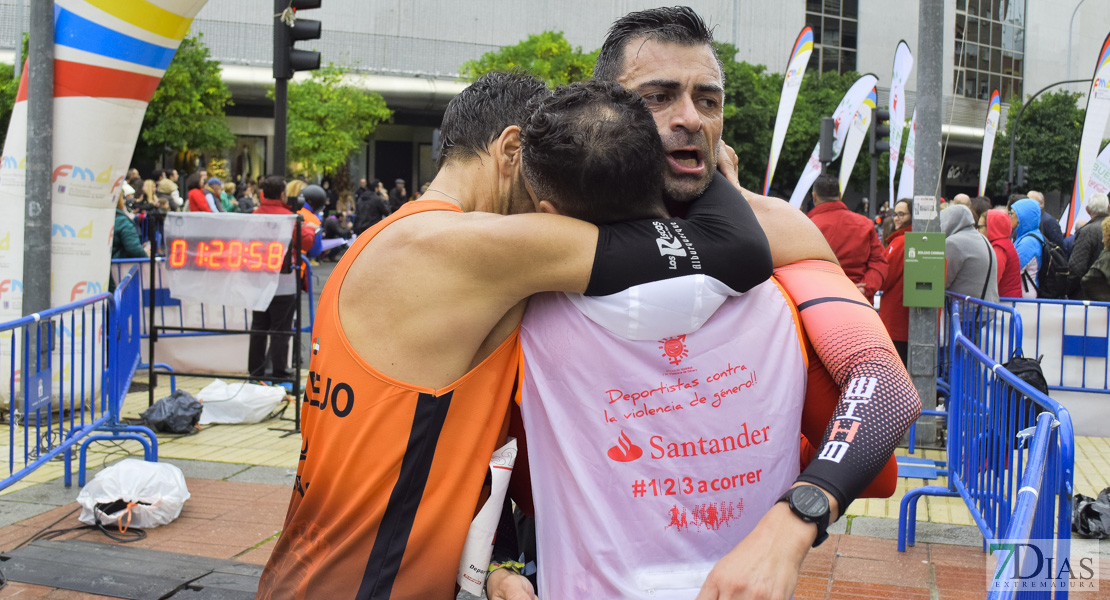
962, 199
1049, 226
1088, 245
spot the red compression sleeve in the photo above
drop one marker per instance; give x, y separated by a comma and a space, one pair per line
877, 399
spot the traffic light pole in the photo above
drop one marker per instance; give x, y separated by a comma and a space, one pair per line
281, 124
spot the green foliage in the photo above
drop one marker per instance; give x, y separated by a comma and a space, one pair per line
1047, 142
548, 56
329, 121
8, 87
187, 111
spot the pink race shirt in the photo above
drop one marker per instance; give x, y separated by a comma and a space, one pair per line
652, 458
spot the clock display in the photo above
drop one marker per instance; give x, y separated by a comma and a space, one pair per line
215, 254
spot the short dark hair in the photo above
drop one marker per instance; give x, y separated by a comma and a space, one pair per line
827, 187
194, 182
479, 114
593, 150
674, 25
374, 184
273, 186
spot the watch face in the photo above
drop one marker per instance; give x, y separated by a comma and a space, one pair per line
810, 501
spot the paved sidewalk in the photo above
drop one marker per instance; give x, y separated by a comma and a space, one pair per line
240, 478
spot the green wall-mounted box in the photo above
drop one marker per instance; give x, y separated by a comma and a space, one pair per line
924, 276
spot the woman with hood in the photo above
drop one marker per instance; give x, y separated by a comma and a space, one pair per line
995, 224
893, 313
1025, 217
971, 268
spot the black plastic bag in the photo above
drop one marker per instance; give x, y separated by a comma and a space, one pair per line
1090, 517
177, 413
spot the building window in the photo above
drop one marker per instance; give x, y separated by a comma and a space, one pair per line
990, 48
834, 24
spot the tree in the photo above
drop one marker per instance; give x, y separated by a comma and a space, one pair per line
1047, 142
329, 120
186, 113
8, 87
548, 56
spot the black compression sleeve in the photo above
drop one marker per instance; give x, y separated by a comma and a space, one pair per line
719, 237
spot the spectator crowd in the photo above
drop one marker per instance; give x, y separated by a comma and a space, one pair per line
1012, 251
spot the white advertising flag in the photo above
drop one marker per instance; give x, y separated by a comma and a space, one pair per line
791, 85
994, 112
843, 116
903, 64
1094, 124
905, 180
860, 127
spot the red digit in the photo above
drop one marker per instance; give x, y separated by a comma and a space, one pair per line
202, 254
274, 252
177, 254
217, 251
235, 255
254, 262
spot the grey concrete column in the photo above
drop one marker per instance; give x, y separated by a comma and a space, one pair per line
40, 158
926, 182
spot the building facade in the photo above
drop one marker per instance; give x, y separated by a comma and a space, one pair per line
410, 51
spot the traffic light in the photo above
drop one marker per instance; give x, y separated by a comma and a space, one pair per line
289, 28
1022, 173
880, 131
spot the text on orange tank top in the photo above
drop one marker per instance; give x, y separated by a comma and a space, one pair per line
390, 474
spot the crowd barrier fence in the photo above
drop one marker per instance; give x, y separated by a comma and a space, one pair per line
990, 414
1074, 338
69, 369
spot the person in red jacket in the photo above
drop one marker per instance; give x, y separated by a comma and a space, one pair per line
278, 316
995, 224
195, 192
893, 313
852, 237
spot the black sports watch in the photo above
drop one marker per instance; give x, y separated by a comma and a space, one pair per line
811, 505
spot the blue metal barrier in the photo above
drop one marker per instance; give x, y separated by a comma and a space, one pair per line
1074, 338
1032, 516
988, 408
124, 358
994, 328
69, 369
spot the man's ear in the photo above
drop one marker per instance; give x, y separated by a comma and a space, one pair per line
547, 207
507, 148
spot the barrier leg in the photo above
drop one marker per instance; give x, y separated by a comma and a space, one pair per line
907, 513
67, 479
114, 436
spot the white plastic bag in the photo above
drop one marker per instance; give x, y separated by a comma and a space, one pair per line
155, 491
238, 402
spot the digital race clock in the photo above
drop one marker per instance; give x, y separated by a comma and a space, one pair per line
216, 254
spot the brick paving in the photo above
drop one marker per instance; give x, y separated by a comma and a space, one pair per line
241, 521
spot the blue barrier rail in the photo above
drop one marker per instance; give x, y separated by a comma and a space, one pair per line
1074, 338
1032, 516
988, 408
68, 371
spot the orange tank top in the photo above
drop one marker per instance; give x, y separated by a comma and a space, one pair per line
390, 474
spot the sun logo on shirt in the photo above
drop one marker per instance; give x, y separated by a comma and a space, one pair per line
674, 349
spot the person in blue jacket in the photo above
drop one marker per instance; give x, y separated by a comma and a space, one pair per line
1025, 214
